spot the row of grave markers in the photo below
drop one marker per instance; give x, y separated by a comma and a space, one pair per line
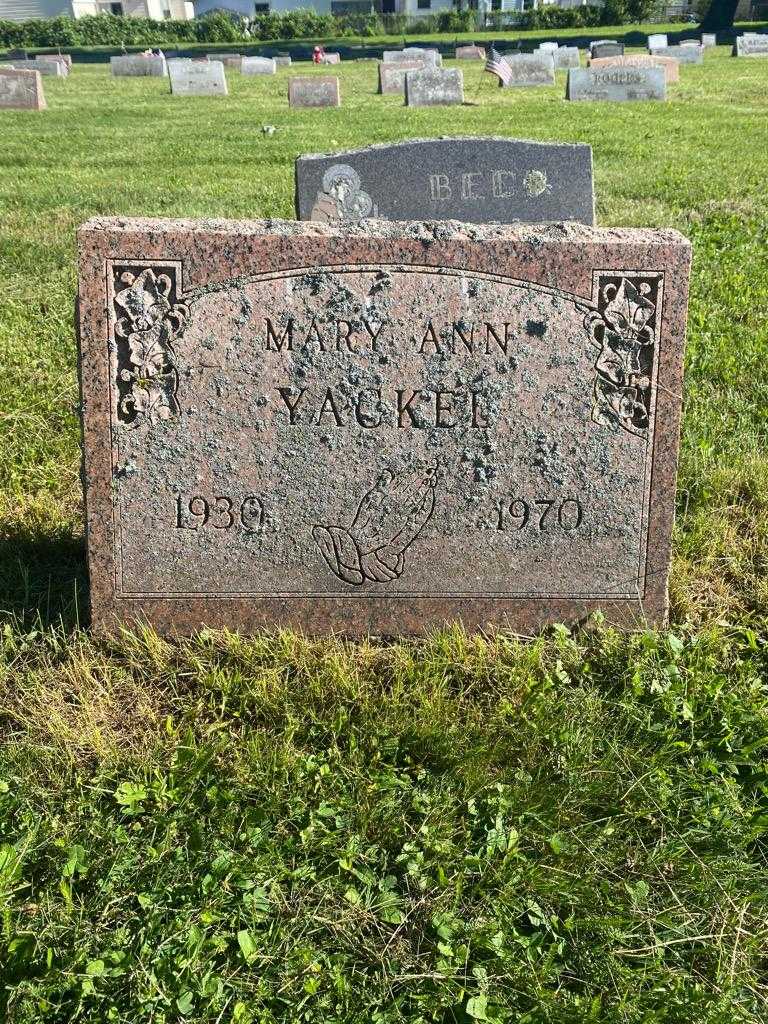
413, 72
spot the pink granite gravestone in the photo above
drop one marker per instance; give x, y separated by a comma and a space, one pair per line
379, 428
314, 91
21, 90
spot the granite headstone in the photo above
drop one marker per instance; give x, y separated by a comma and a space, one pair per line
138, 65
258, 66
380, 428
606, 50
392, 76
314, 91
640, 60
434, 87
193, 79
471, 179
529, 69
617, 84
682, 54
21, 90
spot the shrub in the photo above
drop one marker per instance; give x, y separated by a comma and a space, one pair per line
564, 17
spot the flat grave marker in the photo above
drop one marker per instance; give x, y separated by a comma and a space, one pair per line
21, 90
472, 179
314, 91
381, 428
434, 87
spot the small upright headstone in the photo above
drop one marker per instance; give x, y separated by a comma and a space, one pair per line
708, 39
65, 58
682, 54
48, 68
193, 79
617, 84
258, 66
751, 45
548, 46
21, 90
227, 59
469, 179
392, 76
470, 53
314, 91
331, 58
283, 60
607, 49
380, 428
657, 39
138, 65
566, 57
411, 53
434, 87
640, 60
528, 69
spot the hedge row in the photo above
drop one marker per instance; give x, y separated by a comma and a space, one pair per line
108, 30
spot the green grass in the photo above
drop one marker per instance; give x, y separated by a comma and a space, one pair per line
275, 829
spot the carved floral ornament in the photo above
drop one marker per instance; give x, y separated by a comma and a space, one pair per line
624, 331
148, 322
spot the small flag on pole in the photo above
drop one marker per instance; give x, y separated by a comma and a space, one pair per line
498, 66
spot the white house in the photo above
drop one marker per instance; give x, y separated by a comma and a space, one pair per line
160, 10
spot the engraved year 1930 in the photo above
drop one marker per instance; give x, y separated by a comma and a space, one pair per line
219, 511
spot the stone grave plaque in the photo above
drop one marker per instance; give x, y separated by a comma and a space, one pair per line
42, 65
434, 87
21, 90
617, 84
470, 53
206, 78
258, 66
471, 179
530, 69
381, 427
548, 46
392, 76
331, 58
283, 60
751, 46
314, 91
607, 50
682, 54
640, 60
708, 39
138, 65
657, 39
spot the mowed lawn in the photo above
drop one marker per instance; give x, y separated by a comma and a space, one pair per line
567, 828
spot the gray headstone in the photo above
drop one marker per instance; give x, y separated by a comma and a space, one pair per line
751, 45
607, 50
198, 79
314, 91
392, 76
657, 39
470, 53
138, 65
530, 69
47, 68
480, 180
682, 54
548, 46
708, 39
413, 53
434, 87
566, 57
283, 60
258, 66
616, 83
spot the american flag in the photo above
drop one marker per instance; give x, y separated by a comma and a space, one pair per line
498, 66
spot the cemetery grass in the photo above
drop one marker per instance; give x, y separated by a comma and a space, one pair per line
564, 829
